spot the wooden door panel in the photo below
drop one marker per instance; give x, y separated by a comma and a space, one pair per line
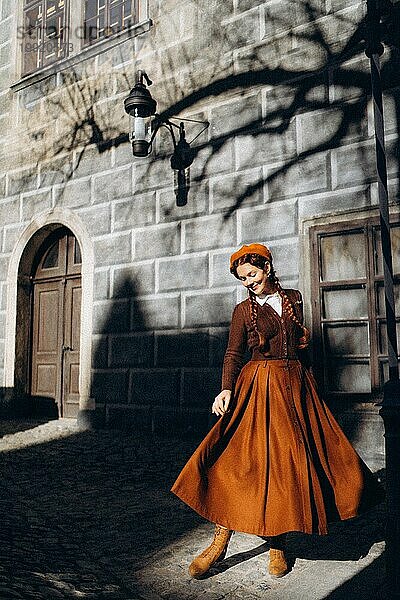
72, 319
46, 380
71, 385
46, 339
76, 315
56, 320
74, 256
73, 378
48, 317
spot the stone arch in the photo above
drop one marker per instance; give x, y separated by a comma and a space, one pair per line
20, 265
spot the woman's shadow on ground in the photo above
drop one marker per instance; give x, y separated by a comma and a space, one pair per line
347, 540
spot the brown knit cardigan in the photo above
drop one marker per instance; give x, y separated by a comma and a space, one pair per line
281, 334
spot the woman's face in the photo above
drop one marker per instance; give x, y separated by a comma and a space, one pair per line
253, 277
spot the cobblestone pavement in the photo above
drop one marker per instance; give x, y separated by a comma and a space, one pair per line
89, 515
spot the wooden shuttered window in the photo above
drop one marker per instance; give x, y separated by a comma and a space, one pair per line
349, 307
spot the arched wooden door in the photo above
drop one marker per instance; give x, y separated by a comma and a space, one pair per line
56, 317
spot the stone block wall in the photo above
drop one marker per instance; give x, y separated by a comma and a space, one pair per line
290, 137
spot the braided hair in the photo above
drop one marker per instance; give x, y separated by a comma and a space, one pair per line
253, 316
287, 306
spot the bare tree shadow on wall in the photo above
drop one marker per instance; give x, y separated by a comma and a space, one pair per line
296, 83
330, 85
332, 79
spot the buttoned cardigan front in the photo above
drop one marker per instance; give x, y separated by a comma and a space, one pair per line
281, 334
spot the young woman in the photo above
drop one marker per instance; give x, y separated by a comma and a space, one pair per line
277, 460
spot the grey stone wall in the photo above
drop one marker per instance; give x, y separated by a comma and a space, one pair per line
290, 137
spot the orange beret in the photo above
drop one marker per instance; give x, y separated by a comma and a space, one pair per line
259, 249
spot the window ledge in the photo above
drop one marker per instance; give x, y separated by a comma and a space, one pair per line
84, 54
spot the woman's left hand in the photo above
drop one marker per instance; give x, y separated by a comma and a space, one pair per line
221, 403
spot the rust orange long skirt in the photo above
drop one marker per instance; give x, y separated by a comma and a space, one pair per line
278, 461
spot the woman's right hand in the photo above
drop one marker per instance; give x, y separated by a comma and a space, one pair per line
221, 403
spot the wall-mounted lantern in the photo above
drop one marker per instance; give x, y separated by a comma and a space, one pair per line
145, 123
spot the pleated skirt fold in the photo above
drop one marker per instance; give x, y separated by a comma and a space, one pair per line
278, 461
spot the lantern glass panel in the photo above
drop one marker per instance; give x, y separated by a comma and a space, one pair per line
140, 128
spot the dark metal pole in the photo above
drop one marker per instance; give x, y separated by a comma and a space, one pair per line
390, 410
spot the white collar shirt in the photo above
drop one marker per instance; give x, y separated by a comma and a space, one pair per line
274, 300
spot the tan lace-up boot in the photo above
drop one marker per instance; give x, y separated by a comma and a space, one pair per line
278, 566
214, 552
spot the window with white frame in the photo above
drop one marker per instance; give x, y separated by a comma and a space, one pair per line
349, 307
56, 29
45, 33
106, 17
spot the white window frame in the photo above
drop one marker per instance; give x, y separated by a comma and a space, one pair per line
31, 43
79, 51
137, 8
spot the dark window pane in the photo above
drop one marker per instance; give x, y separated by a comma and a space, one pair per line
343, 257
91, 30
77, 254
51, 43
116, 17
349, 377
52, 27
395, 242
101, 24
44, 36
382, 336
33, 31
33, 18
381, 299
51, 259
51, 7
347, 339
50, 52
384, 372
90, 9
106, 17
54, 46
345, 304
